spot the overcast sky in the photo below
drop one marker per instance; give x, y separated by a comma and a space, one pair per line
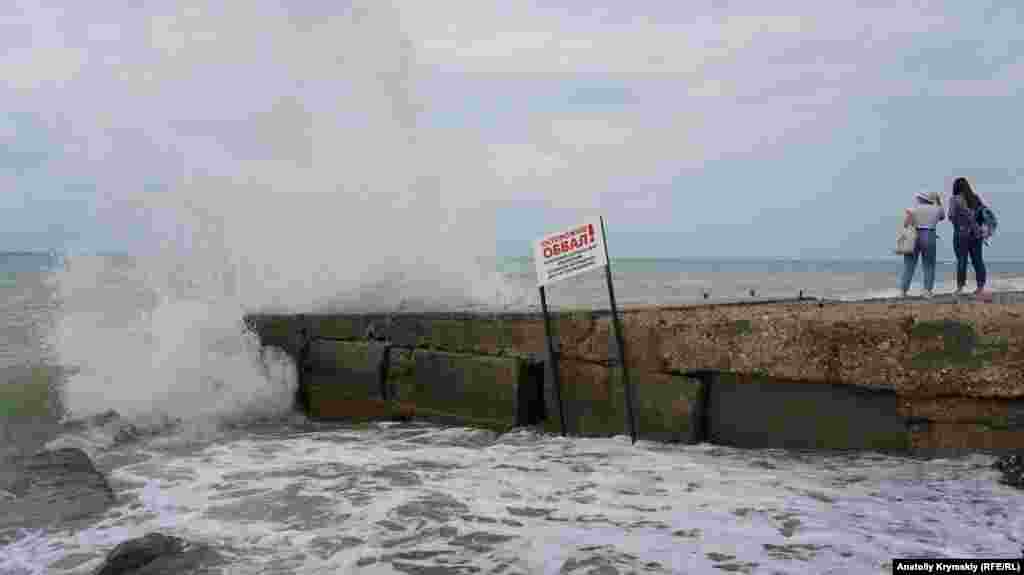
787, 128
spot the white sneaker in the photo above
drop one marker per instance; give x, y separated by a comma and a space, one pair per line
927, 294
959, 291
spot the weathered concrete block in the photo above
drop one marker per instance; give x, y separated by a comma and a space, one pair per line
400, 380
484, 335
958, 438
338, 371
526, 334
337, 326
587, 400
277, 331
958, 363
965, 349
592, 338
463, 387
403, 330
996, 413
454, 333
594, 399
669, 407
328, 407
762, 412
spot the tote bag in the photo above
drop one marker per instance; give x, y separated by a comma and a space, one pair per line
906, 241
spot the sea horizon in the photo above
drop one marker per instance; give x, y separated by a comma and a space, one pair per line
631, 258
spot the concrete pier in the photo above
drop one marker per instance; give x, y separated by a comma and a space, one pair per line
941, 376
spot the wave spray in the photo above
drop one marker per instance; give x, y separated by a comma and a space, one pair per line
257, 158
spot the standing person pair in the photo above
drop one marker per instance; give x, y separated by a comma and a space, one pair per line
973, 222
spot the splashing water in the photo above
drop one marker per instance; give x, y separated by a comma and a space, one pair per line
292, 173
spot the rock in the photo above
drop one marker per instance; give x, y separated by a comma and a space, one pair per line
50, 487
1012, 468
127, 433
158, 554
111, 423
97, 420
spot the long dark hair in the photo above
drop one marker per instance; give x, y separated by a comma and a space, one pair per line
962, 188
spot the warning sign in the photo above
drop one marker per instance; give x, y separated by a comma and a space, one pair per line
569, 253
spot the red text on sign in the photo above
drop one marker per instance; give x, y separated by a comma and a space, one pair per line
575, 242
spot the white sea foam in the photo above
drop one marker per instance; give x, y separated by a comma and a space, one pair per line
996, 284
376, 500
148, 356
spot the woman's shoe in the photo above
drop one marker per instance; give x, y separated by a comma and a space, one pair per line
959, 291
927, 294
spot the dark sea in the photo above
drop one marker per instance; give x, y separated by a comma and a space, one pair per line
217, 455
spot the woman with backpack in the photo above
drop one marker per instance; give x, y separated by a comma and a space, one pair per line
966, 213
923, 217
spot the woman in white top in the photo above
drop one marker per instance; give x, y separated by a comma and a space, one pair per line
924, 216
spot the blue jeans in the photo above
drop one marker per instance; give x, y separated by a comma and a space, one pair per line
925, 248
964, 247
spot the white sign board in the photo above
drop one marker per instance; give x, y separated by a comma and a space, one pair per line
572, 252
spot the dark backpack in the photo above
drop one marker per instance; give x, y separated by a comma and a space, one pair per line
986, 218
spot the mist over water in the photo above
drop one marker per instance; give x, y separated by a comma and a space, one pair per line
292, 174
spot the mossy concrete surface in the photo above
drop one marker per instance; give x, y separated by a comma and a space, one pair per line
278, 330
961, 346
594, 399
968, 348
994, 413
29, 392
668, 407
460, 386
749, 411
959, 438
326, 406
339, 370
950, 362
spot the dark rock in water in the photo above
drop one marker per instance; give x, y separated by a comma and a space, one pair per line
158, 554
1012, 468
131, 432
50, 487
127, 433
122, 431
97, 420
105, 417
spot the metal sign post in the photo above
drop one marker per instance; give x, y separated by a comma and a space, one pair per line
553, 360
619, 340
567, 254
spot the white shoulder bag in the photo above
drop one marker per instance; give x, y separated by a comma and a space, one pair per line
906, 241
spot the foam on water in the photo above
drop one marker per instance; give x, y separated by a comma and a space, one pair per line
144, 355
996, 283
388, 498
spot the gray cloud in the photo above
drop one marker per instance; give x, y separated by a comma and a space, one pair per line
575, 110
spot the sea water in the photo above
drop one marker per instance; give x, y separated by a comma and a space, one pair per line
274, 493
